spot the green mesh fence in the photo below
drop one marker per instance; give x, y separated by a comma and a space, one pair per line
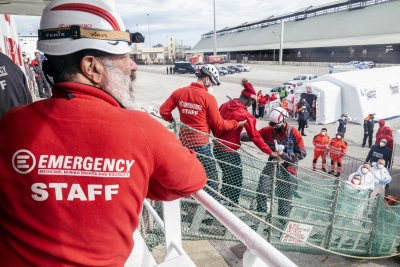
324, 211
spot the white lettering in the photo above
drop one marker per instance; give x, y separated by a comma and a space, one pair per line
92, 191
58, 189
109, 191
41, 195
76, 192
88, 164
97, 164
117, 167
3, 84
55, 162
109, 164
77, 163
67, 161
129, 165
43, 161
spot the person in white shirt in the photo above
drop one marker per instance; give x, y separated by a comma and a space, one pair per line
368, 180
382, 177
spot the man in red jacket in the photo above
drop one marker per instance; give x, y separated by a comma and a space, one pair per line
198, 109
225, 150
290, 144
72, 187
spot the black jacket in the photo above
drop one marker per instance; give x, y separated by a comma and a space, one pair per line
14, 89
378, 152
369, 124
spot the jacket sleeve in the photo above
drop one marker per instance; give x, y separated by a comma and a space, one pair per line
255, 136
365, 126
337, 126
344, 148
167, 107
369, 155
214, 116
168, 180
299, 149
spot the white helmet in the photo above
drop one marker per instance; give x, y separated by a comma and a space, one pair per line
212, 73
278, 116
68, 26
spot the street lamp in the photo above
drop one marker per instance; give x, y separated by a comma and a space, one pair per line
274, 46
148, 26
215, 35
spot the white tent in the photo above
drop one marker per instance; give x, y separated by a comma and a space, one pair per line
364, 91
328, 107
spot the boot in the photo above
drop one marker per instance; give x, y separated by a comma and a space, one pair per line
302, 133
313, 168
330, 172
323, 169
337, 174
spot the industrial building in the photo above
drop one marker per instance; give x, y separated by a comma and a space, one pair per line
339, 31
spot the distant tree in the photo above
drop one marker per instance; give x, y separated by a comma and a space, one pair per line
158, 45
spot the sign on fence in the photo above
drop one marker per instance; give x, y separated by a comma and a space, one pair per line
299, 230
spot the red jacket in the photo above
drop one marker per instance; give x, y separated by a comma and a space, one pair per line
262, 101
235, 110
74, 177
321, 142
386, 134
337, 148
291, 159
381, 128
197, 109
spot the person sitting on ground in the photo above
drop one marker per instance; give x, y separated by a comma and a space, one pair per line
337, 151
368, 180
380, 151
382, 177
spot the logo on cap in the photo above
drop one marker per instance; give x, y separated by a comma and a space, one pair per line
23, 161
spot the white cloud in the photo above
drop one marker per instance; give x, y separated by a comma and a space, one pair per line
187, 20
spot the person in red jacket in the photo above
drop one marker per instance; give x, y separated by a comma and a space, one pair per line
290, 147
198, 109
73, 185
320, 142
262, 103
337, 150
379, 132
229, 141
386, 134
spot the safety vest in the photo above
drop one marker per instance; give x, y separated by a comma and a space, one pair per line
342, 126
321, 142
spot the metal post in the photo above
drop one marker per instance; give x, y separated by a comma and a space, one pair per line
274, 52
281, 48
148, 26
215, 34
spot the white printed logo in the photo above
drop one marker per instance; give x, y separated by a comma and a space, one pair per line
23, 161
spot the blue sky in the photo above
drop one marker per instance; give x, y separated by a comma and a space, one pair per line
187, 20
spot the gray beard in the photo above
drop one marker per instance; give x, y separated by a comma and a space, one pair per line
119, 85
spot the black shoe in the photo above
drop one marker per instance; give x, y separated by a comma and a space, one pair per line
313, 169
362, 145
337, 174
330, 172
370, 146
323, 169
303, 134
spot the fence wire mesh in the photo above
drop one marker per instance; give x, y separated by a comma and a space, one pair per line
325, 211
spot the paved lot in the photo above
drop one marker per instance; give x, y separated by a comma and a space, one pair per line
153, 86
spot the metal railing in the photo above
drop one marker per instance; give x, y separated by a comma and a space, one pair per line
259, 252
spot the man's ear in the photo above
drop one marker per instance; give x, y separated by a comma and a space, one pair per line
92, 69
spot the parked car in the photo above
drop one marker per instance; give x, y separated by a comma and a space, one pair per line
292, 84
233, 67
243, 67
370, 64
348, 64
230, 71
305, 77
222, 72
184, 67
277, 89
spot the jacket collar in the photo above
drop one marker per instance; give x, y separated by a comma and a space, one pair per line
198, 85
85, 91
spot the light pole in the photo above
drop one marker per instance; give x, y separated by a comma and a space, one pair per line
274, 46
215, 34
148, 26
